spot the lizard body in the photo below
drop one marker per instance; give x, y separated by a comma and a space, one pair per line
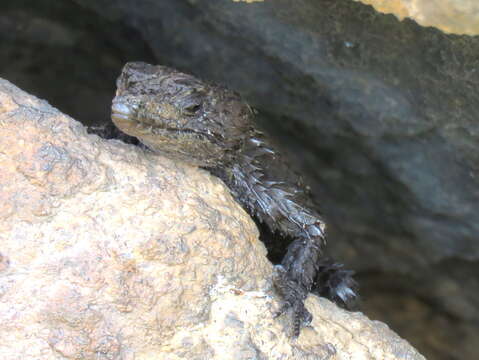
210, 126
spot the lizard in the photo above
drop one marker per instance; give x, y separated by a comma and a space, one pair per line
210, 126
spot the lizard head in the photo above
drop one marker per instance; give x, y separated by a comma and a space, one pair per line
179, 115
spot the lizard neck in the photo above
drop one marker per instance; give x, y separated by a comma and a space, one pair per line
267, 186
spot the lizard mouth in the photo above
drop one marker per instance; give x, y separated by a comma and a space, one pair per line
124, 117
201, 148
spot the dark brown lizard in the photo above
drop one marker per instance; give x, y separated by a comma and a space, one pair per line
184, 118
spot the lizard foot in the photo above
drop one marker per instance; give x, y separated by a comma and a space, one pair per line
293, 295
336, 284
331, 282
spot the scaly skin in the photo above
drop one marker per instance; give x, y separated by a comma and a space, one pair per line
207, 125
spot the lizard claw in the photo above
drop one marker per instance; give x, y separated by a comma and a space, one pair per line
332, 282
293, 295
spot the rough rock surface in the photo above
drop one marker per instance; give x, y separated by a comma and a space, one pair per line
379, 114
110, 252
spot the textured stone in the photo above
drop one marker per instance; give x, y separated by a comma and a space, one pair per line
110, 252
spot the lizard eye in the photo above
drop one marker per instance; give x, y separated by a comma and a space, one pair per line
191, 109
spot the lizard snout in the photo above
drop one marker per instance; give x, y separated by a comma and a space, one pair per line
120, 110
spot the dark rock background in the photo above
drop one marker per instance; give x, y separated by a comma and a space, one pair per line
381, 116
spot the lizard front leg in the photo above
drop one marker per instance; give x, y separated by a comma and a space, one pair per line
273, 194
